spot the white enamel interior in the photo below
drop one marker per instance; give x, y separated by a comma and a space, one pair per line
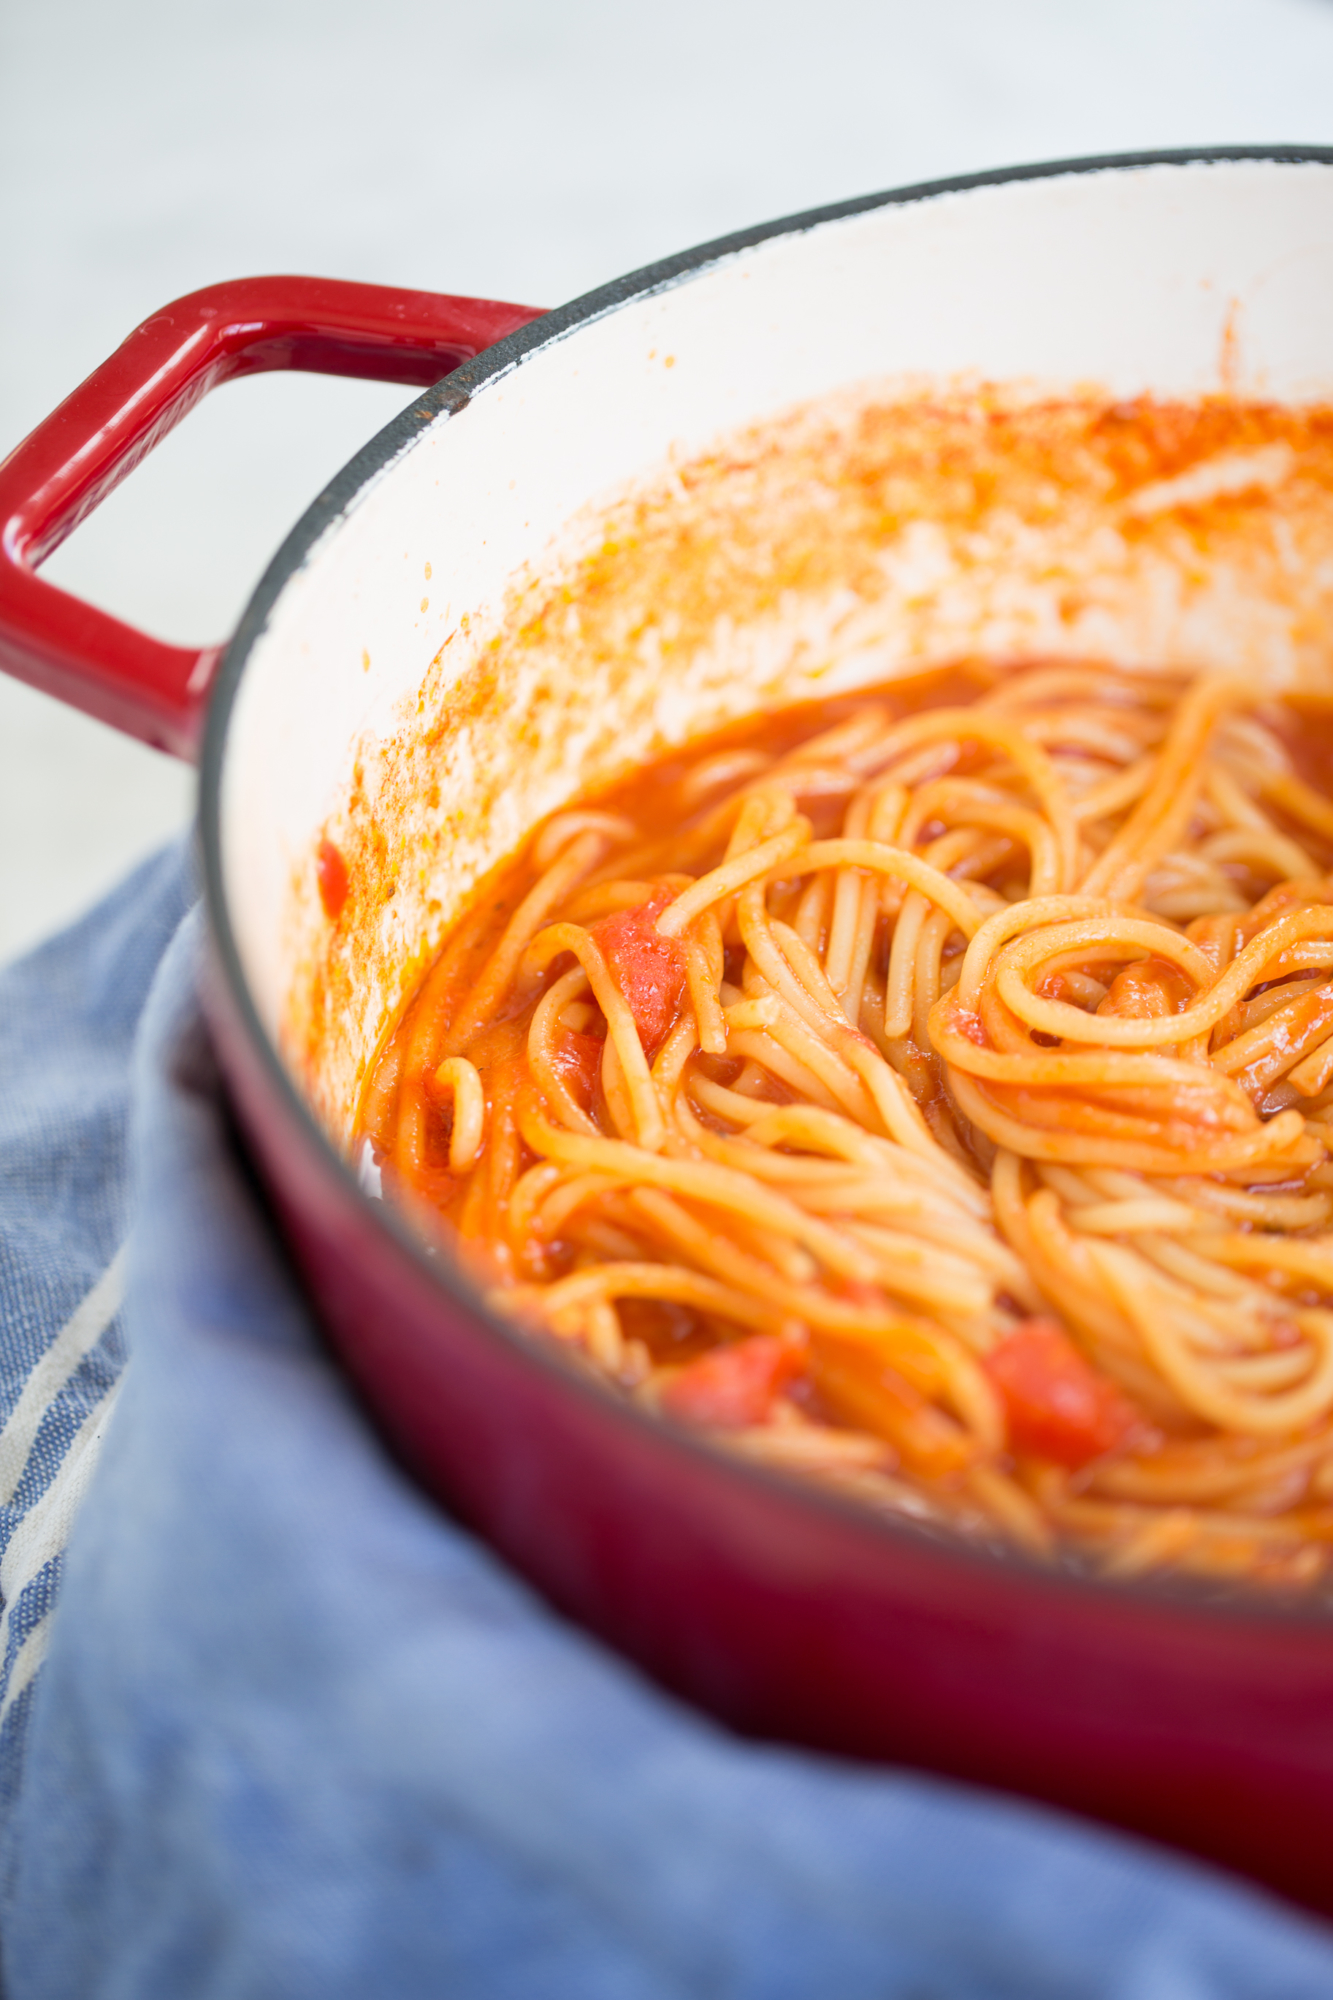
1125, 278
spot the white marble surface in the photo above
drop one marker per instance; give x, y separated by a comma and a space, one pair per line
519, 148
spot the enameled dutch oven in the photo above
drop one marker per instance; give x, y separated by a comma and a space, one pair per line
785, 1611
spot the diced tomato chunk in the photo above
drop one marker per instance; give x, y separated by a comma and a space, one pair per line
578, 1058
649, 969
733, 1387
1148, 989
1058, 1407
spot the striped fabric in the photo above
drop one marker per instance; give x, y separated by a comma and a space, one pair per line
48, 1449
300, 1737
68, 1015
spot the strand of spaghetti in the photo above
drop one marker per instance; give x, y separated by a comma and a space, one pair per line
703, 975
810, 917
419, 1050
810, 1014
844, 908
425, 1021
848, 740
1055, 1017
1165, 1539
732, 875
754, 812
761, 1011
1113, 794
719, 1187
928, 1277
1310, 1259
895, 862
1163, 813
898, 1110
1199, 1387
728, 767
854, 1196
566, 826
572, 1193
541, 1049
899, 984
1274, 1045
875, 815
1262, 1373
1179, 1260
757, 1046
843, 1155
1262, 851
721, 1102
1065, 680
616, 1097
621, 1029
939, 801
830, 916
668, 1066
1217, 938
928, 974
489, 1186
819, 1004
1101, 1068
1127, 1113
1281, 1135
949, 801
789, 1033
1238, 809
602, 1335
1197, 1471
603, 899
1013, 1510
1131, 1218
858, 1199
731, 1261
1313, 1074
379, 1105
649, 1281
1299, 801
1098, 1518
1070, 1279
525, 1199
887, 803
814, 1308
458, 1078
496, 975
1033, 914
964, 725
824, 1132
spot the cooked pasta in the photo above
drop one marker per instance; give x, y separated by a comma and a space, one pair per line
931, 1094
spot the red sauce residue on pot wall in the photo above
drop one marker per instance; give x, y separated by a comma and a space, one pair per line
331, 871
828, 505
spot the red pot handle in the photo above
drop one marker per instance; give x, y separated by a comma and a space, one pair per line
55, 478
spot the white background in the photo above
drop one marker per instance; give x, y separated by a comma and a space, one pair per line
524, 149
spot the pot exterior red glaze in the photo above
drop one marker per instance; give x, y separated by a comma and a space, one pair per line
783, 1610
794, 1617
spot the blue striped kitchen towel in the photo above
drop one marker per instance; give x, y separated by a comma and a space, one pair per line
68, 1018
289, 1732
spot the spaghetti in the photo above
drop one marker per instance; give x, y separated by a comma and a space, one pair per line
932, 1094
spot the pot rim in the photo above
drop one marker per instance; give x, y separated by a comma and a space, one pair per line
1164, 1598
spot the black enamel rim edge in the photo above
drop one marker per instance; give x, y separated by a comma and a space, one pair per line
338, 499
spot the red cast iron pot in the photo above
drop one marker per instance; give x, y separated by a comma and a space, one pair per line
785, 1611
